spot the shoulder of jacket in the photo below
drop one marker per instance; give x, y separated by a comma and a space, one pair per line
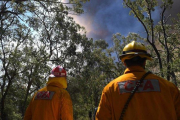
111, 84
164, 81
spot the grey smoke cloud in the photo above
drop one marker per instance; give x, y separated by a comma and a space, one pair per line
174, 10
103, 18
109, 17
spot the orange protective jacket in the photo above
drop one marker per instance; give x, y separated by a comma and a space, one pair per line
155, 99
52, 102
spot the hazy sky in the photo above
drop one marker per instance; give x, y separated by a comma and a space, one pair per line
103, 18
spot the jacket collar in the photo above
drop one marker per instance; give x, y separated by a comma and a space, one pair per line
57, 81
134, 69
56, 84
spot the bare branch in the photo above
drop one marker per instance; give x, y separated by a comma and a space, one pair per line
152, 24
139, 20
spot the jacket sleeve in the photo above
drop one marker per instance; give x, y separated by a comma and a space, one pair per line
28, 113
177, 104
104, 108
67, 108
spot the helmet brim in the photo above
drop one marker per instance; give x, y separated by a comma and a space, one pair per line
124, 57
52, 76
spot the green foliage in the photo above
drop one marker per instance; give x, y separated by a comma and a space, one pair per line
96, 71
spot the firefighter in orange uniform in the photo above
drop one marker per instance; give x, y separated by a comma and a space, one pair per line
52, 102
154, 99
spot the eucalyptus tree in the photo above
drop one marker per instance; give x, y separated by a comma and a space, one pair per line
34, 35
98, 70
159, 35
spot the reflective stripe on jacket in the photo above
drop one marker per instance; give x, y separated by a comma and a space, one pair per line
155, 99
50, 103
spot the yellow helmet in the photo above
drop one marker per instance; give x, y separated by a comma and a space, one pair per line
134, 49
